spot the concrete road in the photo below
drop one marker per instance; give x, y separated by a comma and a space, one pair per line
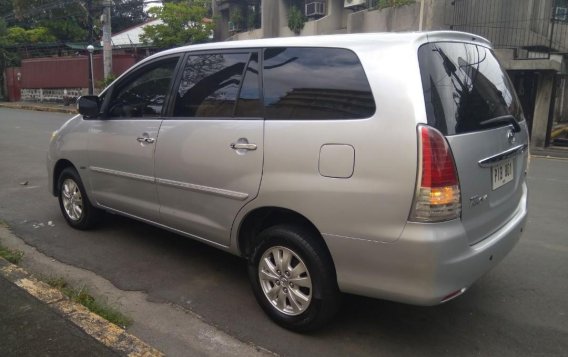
519, 308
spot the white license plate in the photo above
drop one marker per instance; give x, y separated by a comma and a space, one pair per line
501, 174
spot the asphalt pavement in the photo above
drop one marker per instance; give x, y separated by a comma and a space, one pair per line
28, 327
518, 309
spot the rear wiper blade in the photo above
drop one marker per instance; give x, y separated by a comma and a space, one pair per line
504, 119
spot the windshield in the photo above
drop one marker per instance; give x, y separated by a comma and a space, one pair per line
465, 87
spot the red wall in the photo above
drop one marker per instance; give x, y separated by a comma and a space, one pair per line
68, 72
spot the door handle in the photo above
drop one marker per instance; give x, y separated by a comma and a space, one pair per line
146, 140
243, 146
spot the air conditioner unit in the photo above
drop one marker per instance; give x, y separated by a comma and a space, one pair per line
354, 3
233, 27
561, 14
315, 8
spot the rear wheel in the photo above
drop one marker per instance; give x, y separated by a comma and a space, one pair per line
74, 203
293, 278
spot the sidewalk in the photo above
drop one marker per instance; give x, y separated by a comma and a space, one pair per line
36, 319
551, 151
30, 328
43, 107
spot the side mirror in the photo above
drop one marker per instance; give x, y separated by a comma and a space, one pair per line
89, 106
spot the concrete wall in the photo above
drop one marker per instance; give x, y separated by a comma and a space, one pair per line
249, 35
405, 18
52, 95
434, 17
274, 18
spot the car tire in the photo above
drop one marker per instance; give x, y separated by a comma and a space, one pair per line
74, 203
293, 278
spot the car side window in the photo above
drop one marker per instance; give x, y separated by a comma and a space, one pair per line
211, 83
143, 95
315, 83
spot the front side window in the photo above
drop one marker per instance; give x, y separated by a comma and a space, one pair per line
210, 85
143, 94
315, 83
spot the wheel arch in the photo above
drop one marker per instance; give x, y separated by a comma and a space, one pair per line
264, 217
61, 165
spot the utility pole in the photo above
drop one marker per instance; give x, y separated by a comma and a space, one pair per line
90, 40
107, 39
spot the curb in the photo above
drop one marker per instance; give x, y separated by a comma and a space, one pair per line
39, 108
100, 329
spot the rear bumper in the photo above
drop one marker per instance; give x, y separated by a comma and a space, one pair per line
426, 264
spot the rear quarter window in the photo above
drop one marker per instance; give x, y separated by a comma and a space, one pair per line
315, 83
464, 86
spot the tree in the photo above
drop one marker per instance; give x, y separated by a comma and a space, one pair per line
127, 13
67, 20
17, 35
183, 23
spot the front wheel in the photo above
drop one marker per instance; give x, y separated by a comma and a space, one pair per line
293, 278
74, 203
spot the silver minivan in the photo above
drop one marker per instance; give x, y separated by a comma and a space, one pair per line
386, 165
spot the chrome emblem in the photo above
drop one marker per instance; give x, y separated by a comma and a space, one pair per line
511, 137
475, 200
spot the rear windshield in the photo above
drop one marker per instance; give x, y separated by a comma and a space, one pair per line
464, 87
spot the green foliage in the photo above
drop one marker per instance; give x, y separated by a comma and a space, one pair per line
83, 297
296, 20
253, 16
3, 28
39, 34
66, 20
182, 24
127, 13
382, 4
105, 82
236, 17
251, 20
13, 256
66, 30
17, 35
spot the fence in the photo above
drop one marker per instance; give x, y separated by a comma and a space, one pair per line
533, 28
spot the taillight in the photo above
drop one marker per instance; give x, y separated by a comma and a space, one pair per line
437, 196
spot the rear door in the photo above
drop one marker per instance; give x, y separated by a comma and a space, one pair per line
470, 99
209, 157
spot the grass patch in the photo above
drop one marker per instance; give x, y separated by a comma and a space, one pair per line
82, 296
383, 4
13, 256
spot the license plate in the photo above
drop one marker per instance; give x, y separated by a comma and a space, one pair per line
502, 173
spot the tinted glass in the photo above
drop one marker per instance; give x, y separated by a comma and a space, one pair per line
144, 94
315, 83
249, 98
464, 86
210, 85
